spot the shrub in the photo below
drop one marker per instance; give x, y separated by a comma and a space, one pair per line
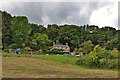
115, 52
112, 64
81, 50
105, 54
13, 46
27, 49
99, 57
87, 47
102, 63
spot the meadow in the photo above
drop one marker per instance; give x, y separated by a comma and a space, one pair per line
49, 66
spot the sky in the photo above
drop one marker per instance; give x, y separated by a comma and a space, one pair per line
77, 12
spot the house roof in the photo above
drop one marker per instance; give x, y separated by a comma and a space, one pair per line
60, 45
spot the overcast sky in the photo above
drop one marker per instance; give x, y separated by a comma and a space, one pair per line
56, 12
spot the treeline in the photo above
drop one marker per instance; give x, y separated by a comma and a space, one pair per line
18, 32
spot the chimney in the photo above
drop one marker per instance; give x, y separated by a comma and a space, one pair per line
53, 43
66, 44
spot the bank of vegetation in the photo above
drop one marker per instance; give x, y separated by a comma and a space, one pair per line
99, 45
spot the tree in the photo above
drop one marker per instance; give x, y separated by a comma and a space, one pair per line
53, 32
106, 34
70, 34
17, 32
6, 29
87, 47
113, 43
20, 30
1, 30
37, 29
40, 41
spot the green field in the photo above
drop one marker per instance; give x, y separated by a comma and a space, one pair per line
49, 66
57, 58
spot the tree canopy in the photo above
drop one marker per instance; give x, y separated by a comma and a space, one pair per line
18, 31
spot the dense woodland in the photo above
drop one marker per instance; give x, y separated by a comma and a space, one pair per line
18, 32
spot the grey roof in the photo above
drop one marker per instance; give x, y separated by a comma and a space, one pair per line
60, 45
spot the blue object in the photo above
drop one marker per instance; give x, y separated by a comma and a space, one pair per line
18, 50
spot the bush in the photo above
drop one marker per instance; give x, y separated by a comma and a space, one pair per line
112, 64
81, 50
105, 54
86, 47
99, 57
102, 63
27, 49
115, 52
13, 46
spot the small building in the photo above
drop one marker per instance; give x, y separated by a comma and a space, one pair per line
65, 48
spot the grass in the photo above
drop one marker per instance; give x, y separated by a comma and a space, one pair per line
59, 58
66, 59
22, 67
49, 66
